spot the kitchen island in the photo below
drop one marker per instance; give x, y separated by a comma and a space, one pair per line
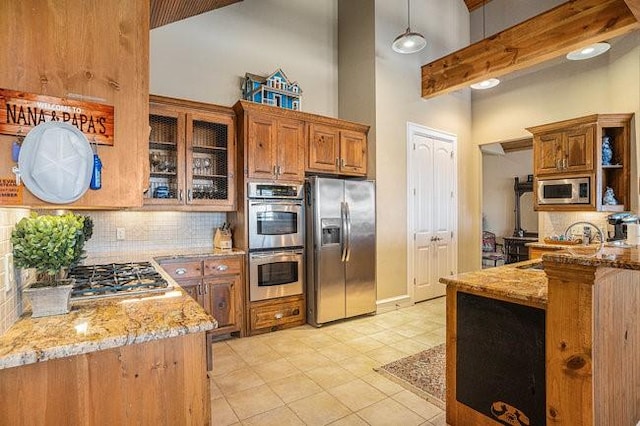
586, 302
119, 360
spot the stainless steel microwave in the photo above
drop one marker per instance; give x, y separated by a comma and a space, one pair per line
564, 191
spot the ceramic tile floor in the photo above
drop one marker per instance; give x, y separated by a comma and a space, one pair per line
321, 376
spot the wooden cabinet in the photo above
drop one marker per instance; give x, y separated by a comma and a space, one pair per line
537, 252
191, 156
573, 148
275, 314
216, 284
93, 51
281, 144
275, 148
332, 150
566, 151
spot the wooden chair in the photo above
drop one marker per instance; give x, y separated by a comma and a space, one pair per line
491, 250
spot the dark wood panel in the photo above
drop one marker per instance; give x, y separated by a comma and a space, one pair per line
164, 12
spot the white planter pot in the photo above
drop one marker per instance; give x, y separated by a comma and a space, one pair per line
47, 301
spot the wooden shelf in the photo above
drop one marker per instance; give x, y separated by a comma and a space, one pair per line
613, 166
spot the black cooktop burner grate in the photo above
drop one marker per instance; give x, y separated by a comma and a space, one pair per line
115, 279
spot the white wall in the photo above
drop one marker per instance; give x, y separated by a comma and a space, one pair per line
498, 196
445, 25
205, 57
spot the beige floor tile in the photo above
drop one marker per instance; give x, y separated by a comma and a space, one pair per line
275, 370
429, 339
364, 344
338, 351
226, 362
357, 394
281, 416
439, 420
388, 336
260, 355
319, 409
419, 405
383, 384
310, 361
237, 381
251, 402
290, 347
359, 365
389, 412
296, 387
410, 346
221, 413
330, 376
386, 354
351, 420
318, 340
215, 391
426, 325
343, 334
409, 330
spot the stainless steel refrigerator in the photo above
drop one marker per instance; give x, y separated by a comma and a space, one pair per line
341, 280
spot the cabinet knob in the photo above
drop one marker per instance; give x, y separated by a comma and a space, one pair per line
181, 271
222, 268
279, 315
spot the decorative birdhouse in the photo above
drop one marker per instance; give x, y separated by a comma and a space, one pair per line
276, 90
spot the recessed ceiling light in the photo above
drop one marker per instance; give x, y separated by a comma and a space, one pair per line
486, 84
588, 51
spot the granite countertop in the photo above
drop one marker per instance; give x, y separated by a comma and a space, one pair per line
199, 253
509, 282
611, 257
106, 323
543, 245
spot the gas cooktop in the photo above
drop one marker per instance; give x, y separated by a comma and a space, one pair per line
116, 279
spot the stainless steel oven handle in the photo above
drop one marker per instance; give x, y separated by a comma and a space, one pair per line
279, 253
275, 203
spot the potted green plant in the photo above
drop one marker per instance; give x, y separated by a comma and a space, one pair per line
50, 245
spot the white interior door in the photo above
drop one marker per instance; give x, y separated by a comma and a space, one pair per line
432, 210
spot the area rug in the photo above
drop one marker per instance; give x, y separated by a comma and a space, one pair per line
422, 374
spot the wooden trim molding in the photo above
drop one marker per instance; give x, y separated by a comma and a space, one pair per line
475, 4
634, 6
554, 33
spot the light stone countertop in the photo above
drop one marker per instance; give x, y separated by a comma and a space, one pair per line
106, 323
517, 283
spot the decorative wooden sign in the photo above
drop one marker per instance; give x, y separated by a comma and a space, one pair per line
20, 112
10, 193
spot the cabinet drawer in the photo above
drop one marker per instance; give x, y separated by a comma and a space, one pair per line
222, 265
277, 314
180, 270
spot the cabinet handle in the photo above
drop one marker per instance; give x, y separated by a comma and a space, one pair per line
342, 162
198, 289
559, 164
564, 163
181, 271
222, 268
189, 195
279, 315
280, 170
337, 162
181, 194
206, 291
275, 170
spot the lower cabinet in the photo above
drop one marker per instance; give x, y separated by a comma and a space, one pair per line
276, 314
216, 283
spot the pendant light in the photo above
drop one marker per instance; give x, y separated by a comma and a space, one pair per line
491, 82
409, 41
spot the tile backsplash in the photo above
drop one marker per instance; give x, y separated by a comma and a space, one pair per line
556, 223
11, 296
148, 233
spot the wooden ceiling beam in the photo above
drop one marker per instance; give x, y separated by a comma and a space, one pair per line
475, 4
554, 33
165, 12
634, 6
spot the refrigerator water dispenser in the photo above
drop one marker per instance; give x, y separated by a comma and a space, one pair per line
330, 231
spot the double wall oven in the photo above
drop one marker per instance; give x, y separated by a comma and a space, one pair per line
276, 240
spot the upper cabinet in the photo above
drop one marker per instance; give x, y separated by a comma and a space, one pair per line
191, 156
281, 144
91, 51
334, 150
275, 148
574, 149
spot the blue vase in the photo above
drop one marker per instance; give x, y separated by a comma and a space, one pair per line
607, 152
